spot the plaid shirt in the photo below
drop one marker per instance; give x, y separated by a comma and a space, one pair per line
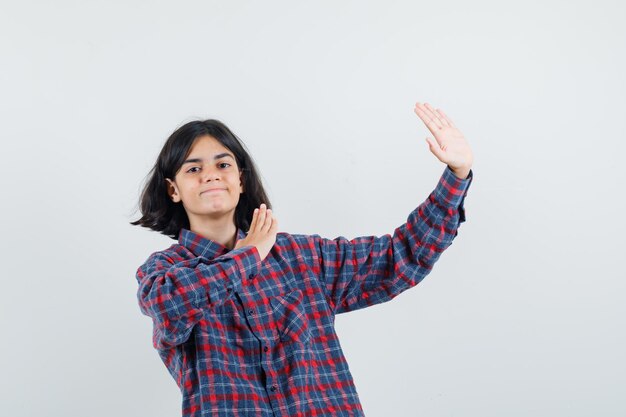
249, 337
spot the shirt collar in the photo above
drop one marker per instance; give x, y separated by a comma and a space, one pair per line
201, 246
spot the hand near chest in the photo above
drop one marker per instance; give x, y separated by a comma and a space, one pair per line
262, 233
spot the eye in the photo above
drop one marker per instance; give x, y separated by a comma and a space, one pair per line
189, 170
224, 163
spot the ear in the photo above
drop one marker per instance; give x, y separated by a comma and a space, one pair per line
172, 191
241, 182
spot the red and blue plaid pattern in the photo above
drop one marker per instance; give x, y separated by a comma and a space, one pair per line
245, 337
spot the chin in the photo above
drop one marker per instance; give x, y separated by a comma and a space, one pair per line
218, 211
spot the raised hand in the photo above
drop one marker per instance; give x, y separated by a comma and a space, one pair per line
262, 233
449, 145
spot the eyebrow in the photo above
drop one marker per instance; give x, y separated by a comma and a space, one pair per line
218, 156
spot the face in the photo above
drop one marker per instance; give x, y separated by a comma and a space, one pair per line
208, 183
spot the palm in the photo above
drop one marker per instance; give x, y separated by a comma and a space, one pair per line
451, 147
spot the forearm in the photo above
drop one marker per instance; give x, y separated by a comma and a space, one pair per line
175, 294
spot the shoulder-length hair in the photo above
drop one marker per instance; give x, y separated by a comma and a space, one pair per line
161, 214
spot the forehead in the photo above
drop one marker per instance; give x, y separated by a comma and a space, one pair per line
207, 149
205, 146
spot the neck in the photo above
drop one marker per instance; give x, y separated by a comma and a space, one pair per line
222, 231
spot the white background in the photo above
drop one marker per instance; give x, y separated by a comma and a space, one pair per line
522, 316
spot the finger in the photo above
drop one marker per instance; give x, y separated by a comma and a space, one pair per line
255, 216
432, 126
432, 113
445, 116
442, 119
427, 121
268, 221
435, 149
431, 117
261, 219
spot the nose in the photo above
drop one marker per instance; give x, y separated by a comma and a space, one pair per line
210, 174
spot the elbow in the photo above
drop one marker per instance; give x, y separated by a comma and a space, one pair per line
171, 333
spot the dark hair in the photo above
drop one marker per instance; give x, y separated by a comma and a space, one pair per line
161, 214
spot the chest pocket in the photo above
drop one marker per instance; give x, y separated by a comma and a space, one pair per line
290, 319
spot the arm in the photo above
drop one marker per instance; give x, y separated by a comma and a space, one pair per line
175, 294
370, 270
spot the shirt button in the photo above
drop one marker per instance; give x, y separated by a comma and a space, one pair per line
228, 289
251, 312
274, 388
265, 348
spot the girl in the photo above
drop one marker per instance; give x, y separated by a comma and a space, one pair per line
243, 314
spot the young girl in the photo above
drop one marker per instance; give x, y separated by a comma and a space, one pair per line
243, 314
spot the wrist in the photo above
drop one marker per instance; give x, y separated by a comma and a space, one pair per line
461, 173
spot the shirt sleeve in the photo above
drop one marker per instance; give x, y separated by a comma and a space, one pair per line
174, 295
370, 270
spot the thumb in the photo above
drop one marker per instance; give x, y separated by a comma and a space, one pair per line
434, 148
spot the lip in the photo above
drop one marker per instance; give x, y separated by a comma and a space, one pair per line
210, 190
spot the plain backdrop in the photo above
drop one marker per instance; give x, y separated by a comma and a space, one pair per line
523, 315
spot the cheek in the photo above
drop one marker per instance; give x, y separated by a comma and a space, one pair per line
188, 191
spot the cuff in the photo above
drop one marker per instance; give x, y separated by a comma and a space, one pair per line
451, 190
248, 263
